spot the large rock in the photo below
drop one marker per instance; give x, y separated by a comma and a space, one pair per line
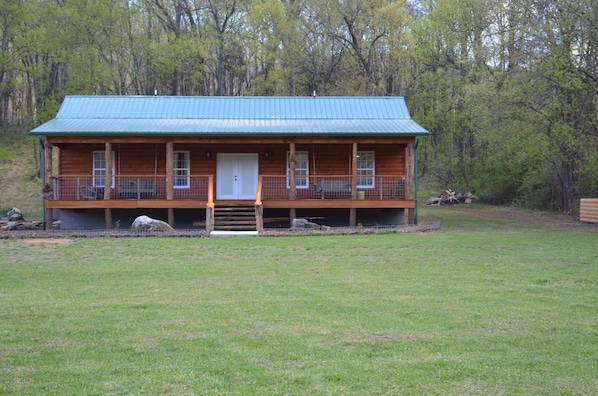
145, 223
303, 224
15, 215
21, 225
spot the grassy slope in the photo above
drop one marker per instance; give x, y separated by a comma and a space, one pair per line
500, 305
18, 185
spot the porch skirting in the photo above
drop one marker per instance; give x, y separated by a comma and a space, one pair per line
184, 218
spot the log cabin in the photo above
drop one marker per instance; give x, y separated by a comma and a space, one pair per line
230, 163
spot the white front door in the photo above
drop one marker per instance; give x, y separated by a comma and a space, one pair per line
236, 176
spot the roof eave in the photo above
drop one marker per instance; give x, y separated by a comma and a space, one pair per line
225, 134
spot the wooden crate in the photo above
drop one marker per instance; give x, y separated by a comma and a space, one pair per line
588, 210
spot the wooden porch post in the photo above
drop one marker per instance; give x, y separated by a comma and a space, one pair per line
170, 179
48, 217
353, 211
292, 182
410, 179
108, 184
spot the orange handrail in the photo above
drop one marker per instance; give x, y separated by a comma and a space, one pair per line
210, 191
258, 193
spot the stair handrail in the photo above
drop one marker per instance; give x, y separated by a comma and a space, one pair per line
259, 209
210, 205
258, 193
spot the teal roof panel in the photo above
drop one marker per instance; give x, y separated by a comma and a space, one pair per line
200, 115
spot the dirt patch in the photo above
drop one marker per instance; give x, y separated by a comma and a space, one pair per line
46, 241
512, 215
517, 216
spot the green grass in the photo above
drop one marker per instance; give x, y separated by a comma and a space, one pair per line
19, 186
480, 307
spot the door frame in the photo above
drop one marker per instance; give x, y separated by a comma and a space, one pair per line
236, 177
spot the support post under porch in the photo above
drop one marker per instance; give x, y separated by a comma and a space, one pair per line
171, 217
410, 182
108, 218
170, 179
108, 184
48, 215
292, 180
353, 211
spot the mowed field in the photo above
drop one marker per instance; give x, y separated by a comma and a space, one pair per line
497, 302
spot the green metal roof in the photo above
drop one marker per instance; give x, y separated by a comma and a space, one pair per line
231, 116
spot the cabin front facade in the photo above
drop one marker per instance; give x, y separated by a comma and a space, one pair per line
230, 162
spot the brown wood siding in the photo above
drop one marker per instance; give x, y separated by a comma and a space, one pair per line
77, 159
275, 164
390, 159
335, 159
330, 159
200, 163
150, 159
141, 159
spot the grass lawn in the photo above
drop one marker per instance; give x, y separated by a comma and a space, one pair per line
501, 304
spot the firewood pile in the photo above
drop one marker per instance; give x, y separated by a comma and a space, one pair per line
451, 197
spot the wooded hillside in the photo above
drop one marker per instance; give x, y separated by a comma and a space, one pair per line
508, 88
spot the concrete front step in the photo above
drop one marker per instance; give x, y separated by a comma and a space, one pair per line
228, 234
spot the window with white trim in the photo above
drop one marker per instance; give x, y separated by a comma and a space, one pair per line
181, 169
301, 169
99, 169
366, 168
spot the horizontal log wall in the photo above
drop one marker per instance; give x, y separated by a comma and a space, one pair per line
588, 210
77, 159
150, 159
390, 159
141, 159
329, 159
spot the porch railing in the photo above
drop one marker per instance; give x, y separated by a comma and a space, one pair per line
335, 187
86, 187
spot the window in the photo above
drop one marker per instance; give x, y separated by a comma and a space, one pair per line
99, 169
181, 169
301, 169
365, 169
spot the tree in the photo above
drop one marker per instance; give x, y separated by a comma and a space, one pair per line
367, 29
508, 88
566, 90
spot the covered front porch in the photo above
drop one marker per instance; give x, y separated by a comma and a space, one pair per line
204, 174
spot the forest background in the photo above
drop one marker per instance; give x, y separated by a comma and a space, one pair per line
508, 88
